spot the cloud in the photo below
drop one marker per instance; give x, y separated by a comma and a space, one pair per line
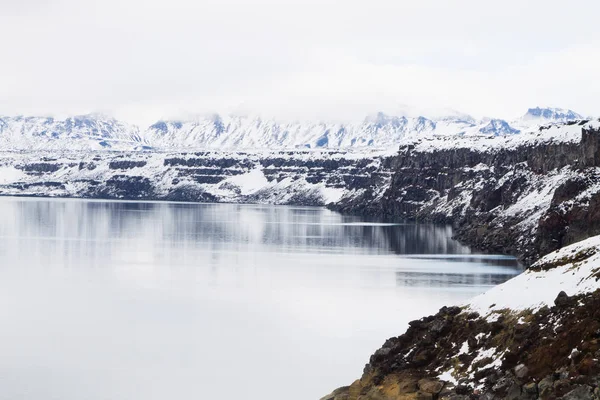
144, 60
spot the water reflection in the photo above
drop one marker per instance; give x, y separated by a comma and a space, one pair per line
73, 233
125, 300
449, 280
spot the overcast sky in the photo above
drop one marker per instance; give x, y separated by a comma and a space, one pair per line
148, 59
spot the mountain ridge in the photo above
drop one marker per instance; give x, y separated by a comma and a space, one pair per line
379, 130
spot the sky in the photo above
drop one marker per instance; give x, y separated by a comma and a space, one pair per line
143, 60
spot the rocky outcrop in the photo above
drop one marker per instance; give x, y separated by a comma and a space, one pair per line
557, 360
505, 344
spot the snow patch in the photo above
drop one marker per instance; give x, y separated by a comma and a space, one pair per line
332, 195
9, 174
250, 182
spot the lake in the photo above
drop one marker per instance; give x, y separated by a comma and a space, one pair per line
137, 300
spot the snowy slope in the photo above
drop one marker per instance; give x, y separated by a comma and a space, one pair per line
549, 133
573, 269
380, 131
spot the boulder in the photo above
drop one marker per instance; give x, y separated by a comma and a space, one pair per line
429, 385
521, 371
581, 392
562, 299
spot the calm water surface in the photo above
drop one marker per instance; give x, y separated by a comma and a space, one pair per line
124, 300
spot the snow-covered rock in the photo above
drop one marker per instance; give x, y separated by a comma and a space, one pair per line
573, 269
273, 177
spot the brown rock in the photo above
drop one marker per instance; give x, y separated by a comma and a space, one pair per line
407, 385
562, 386
579, 393
424, 396
531, 388
429, 385
337, 394
545, 386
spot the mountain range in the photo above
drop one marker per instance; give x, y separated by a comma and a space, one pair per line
378, 131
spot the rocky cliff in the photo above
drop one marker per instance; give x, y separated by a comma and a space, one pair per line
274, 177
526, 196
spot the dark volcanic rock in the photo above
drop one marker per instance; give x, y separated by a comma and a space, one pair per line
125, 187
126, 164
561, 300
41, 167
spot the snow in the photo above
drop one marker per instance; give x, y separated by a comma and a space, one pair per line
594, 124
250, 182
535, 289
573, 352
447, 377
332, 195
486, 353
536, 201
10, 174
555, 133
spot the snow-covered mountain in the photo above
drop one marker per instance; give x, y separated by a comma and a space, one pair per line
218, 132
542, 116
551, 114
380, 131
85, 132
498, 127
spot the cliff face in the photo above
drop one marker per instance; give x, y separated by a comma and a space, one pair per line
276, 177
526, 199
